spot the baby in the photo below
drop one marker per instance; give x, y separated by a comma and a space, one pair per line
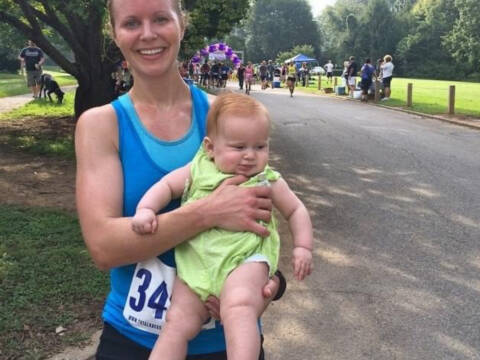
233, 266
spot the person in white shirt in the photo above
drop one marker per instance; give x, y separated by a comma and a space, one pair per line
387, 73
329, 69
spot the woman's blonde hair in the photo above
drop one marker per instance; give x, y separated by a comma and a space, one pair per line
387, 58
177, 4
233, 104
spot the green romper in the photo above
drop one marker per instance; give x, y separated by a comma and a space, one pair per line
205, 261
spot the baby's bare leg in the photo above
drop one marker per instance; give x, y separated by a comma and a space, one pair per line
185, 318
241, 304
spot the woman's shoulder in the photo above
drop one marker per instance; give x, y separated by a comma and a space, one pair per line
101, 119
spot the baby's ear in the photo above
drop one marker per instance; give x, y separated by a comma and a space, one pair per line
208, 146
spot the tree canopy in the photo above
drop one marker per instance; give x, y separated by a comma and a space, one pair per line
275, 26
427, 38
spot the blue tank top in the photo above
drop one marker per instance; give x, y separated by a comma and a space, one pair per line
145, 160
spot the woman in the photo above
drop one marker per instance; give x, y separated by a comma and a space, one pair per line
122, 149
249, 73
387, 73
291, 77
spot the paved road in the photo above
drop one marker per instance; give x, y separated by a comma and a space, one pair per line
12, 102
395, 201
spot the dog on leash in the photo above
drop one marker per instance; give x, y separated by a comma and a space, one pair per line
48, 86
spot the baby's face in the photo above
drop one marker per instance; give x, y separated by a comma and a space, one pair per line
240, 145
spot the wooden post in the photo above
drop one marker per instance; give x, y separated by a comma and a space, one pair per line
377, 90
335, 81
409, 94
319, 82
451, 100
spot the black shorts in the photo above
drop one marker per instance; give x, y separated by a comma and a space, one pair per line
291, 78
329, 74
365, 85
263, 77
114, 345
386, 81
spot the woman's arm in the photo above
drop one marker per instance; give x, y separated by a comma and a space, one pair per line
99, 195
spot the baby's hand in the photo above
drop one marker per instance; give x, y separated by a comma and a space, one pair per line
144, 221
302, 262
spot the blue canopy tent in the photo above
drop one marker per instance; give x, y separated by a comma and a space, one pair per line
299, 59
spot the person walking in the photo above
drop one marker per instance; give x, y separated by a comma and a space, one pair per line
345, 75
205, 74
241, 75
387, 74
291, 77
270, 74
351, 75
283, 74
31, 59
144, 135
304, 73
262, 70
249, 74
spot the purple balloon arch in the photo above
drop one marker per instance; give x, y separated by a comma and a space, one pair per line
217, 48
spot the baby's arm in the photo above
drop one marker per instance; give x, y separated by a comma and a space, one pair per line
300, 225
170, 187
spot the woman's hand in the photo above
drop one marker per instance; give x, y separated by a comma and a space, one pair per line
239, 208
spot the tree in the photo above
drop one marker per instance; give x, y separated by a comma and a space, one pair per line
307, 50
278, 25
463, 39
339, 26
81, 24
421, 52
359, 28
211, 19
10, 47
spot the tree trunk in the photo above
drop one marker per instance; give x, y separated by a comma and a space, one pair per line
94, 89
95, 93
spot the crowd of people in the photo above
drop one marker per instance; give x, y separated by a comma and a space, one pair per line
382, 73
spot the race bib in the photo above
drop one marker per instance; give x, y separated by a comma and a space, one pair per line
149, 295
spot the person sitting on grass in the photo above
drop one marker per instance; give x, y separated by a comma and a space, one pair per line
234, 266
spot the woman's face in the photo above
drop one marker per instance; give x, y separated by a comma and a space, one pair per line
148, 32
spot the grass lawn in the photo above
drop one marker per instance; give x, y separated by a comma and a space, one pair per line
428, 96
431, 96
47, 280
15, 84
